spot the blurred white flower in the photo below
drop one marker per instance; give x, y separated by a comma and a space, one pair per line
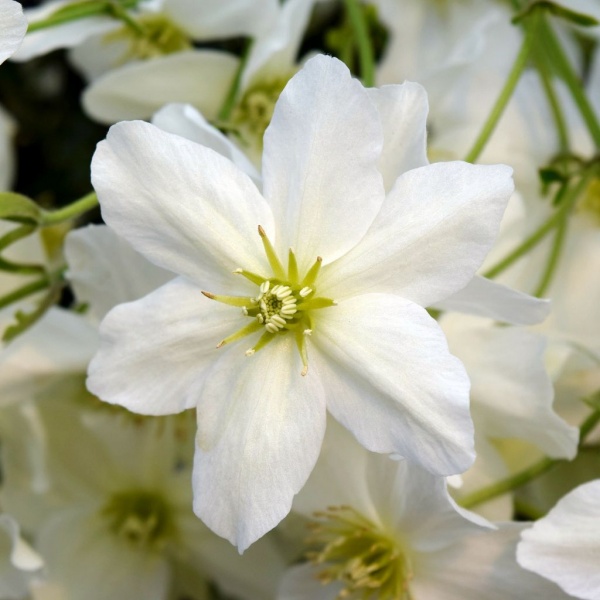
564, 546
388, 530
379, 362
19, 564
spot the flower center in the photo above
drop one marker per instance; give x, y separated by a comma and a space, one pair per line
283, 304
142, 518
149, 36
252, 114
357, 553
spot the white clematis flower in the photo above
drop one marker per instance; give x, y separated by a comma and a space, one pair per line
387, 530
564, 546
12, 28
378, 362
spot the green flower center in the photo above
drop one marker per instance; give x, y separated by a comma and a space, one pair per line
283, 304
141, 518
359, 554
149, 36
252, 114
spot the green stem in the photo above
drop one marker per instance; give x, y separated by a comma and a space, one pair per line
81, 10
505, 95
553, 259
15, 235
365, 48
565, 70
535, 238
526, 475
559, 119
24, 292
234, 90
71, 211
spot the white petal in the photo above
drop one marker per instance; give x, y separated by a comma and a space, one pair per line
214, 19
13, 25
320, 162
486, 298
392, 381
62, 342
274, 52
186, 121
183, 206
564, 546
260, 427
155, 352
431, 235
481, 566
105, 270
511, 391
95, 56
93, 564
403, 111
66, 35
137, 90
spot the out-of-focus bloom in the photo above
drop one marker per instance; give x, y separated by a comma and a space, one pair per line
564, 546
151, 28
388, 530
12, 28
18, 562
137, 90
378, 361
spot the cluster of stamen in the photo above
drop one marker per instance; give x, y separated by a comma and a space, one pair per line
149, 36
284, 302
139, 517
354, 551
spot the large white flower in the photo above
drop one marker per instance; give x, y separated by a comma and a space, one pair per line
352, 322
564, 546
12, 28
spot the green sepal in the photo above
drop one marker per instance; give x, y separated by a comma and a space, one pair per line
559, 11
19, 209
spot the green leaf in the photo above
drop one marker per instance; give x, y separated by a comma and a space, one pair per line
562, 12
19, 208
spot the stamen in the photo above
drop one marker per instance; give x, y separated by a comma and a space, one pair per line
313, 273
240, 301
316, 303
264, 339
243, 332
292, 267
305, 291
253, 277
271, 255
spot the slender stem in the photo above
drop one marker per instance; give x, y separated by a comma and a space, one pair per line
505, 95
232, 93
553, 258
526, 475
83, 10
534, 239
365, 48
16, 234
565, 70
559, 119
71, 211
24, 292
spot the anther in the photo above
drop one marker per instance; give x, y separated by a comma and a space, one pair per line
250, 352
271, 327
305, 291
